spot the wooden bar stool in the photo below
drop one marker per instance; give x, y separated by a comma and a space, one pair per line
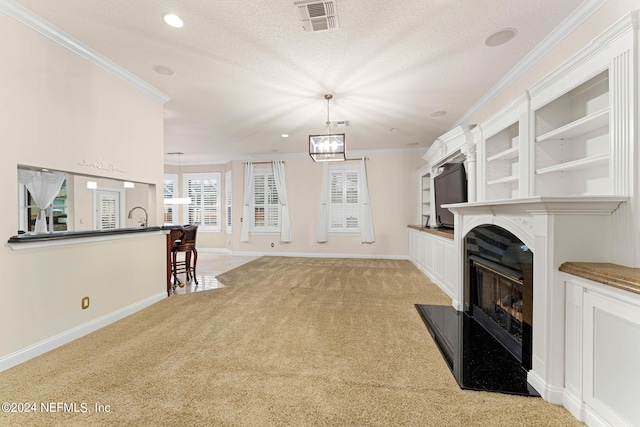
187, 245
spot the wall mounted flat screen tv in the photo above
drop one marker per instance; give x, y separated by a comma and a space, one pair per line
449, 187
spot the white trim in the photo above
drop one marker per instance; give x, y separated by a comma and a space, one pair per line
566, 27
38, 24
55, 341
79, 239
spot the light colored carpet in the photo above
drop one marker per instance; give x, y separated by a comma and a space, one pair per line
287, 342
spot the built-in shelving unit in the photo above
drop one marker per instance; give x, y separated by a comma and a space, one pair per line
425, 189
572, 144
502, 164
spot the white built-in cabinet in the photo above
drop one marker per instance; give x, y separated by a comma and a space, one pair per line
502, 150
572, 149
570, 137
435, 256
569, 134
602, 345
425, 197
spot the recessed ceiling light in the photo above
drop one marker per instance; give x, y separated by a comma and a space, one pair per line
165, 71
285, 135
501, 37
173, 20
438, 113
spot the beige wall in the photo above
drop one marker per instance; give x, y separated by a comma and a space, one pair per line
59, 111
393, 187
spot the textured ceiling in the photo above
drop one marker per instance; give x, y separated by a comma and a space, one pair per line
245, 72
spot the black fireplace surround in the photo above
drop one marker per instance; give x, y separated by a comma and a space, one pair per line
488, 344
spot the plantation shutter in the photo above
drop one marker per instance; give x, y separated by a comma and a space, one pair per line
108, 210
205, 200
273, 208
194, 189
169, 191
266, 207
228, 192
344, 211
210, 206
259, 201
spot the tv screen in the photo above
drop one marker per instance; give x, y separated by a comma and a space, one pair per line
449, 187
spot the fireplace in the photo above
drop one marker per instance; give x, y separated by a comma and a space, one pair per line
499, 288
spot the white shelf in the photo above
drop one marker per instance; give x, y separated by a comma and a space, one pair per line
504, 180
578, 127
576, 164
511, 153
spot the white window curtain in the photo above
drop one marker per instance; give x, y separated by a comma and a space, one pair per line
248, 198
366, 223
322, 235
285, 223
43, 187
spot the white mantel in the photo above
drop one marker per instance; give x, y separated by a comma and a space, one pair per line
556, 230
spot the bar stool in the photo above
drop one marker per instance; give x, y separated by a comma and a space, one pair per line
186, 245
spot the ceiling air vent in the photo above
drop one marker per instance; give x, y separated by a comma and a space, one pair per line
340, 124
318, 15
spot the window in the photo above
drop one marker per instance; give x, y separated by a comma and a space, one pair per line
344, 207
170, 191
227, 200
56, 214
204, 210
266, 209
107, 209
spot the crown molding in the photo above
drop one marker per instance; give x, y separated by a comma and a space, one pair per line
566, 27
38, 24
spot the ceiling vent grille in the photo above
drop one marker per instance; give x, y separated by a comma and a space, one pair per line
340, 124
317, 15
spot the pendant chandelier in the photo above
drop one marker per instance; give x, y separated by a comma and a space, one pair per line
328, 147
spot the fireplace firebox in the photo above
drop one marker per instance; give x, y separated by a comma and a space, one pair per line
499, 288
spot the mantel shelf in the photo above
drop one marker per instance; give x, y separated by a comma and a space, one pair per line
576, 164
579, 127
510, 153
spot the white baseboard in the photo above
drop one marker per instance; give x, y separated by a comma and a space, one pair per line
549, 393
49, 344
574, 405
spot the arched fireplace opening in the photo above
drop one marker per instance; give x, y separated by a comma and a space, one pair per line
499, 288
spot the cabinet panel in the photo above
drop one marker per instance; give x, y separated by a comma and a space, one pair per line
612, 351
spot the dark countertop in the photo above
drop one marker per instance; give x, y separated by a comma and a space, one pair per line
442, 232
66, 235
617, 276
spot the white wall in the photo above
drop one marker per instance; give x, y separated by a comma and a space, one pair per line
59, 111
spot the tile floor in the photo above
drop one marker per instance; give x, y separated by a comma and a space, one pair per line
209, 266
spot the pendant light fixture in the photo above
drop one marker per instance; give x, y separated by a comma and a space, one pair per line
329, 146
177, 200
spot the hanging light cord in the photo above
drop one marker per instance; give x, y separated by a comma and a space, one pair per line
327, 129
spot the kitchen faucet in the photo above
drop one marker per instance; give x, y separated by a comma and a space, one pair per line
143, 223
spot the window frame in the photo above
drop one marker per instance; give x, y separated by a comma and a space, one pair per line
203, 176
344, 170
23, 208
266, 229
